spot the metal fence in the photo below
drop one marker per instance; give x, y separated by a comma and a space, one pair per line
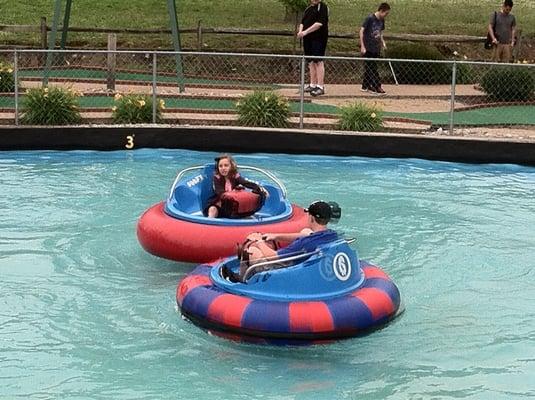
422, 96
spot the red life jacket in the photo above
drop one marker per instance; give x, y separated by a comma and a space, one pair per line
240, 203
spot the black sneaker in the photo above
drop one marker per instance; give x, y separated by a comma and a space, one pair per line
309, 88
378, 92
317, 92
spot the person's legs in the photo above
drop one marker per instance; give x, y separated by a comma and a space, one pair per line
371, 75
375, 83
320, 72
318, 50
366, 80
500, 51
257, 254
507, 53
313, 73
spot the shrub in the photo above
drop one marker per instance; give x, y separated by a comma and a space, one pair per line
419, 73
263, 108
135, 109
295, 5
509, 83
50, 106
359, 116
7, 78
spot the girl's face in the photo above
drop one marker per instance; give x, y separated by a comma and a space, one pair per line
223, 166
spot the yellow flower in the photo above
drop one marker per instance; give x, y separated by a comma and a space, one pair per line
114, 108
141, 103
373, 115
10, 70
238, 104
118, 96
45, 90
266, 99
45, 95
162, 104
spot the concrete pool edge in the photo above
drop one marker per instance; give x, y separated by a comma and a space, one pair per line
252, 140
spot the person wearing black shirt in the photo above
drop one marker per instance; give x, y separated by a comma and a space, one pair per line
314, 31
371, 41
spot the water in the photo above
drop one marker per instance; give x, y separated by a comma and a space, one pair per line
85, 313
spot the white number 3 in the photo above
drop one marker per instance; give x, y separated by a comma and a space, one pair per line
129, 142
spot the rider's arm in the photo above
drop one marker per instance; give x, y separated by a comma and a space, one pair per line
287, 237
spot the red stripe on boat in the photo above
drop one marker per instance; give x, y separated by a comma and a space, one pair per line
377, 301
228, 309
374, 272
313, 316
189, 283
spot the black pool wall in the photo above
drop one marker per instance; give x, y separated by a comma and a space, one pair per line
253, 140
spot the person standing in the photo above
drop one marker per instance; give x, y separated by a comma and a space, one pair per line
371, 42
502, 30
314, 30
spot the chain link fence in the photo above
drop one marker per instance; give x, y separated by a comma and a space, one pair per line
194, 88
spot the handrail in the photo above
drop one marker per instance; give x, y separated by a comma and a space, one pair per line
268, 174
251, 269
180, 175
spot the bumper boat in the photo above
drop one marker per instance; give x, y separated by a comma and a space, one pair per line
177, 229
324, 295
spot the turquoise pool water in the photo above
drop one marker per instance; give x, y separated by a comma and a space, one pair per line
85, 313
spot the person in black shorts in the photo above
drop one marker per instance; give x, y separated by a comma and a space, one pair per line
314, 31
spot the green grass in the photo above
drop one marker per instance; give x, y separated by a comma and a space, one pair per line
131, 76
407, 16
506, 115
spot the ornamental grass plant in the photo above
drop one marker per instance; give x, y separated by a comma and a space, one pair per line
360, 117
51, 106
135, 109
7, 78
264, 109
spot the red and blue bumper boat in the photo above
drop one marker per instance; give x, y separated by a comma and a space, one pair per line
301, 299
178, 230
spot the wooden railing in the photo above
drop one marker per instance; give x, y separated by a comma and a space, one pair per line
199, 31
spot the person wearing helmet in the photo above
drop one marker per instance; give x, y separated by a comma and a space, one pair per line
263, 246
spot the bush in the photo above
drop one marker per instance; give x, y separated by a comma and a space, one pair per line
135, 109
360, 117
509, 83
50, 106
295, 5
7, 78
263, 108
419, 73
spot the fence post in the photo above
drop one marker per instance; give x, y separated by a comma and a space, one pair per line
16, 77
452, 105
154, 87
302, 93
199, 36
112, 61
44, 33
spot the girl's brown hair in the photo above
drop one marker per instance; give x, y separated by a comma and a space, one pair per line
233, 166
